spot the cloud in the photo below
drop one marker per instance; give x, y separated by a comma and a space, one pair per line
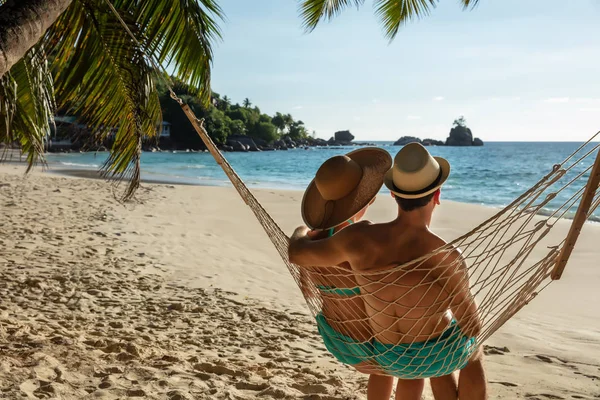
297, 107
590, 109
357, 118
557, 100
375, 101
413, 117
586, 100
509, 98
438, 98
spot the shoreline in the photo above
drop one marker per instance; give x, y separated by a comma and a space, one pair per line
88, 173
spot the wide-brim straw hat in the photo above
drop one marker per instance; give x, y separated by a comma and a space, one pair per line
343, 186
416, 173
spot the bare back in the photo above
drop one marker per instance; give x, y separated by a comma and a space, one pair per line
409, 304
345, 314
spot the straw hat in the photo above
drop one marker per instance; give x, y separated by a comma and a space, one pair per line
416, 173
343, 186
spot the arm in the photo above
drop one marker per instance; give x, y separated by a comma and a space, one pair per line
317, 253
462, 302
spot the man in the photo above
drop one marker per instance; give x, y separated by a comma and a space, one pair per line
422, 314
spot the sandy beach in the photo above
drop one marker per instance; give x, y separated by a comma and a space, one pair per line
179, 294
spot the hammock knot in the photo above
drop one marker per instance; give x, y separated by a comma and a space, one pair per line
175, 97
550, 196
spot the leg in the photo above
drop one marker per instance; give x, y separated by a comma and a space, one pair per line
444, 387
409, 389
471, 380
380, 387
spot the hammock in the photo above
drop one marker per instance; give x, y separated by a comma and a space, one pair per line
501, 286
502, 273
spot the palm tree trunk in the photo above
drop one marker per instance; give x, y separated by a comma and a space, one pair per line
22, 24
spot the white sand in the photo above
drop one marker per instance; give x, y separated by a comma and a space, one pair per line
181, 295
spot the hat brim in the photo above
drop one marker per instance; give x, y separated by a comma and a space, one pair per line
389, 182
319, 213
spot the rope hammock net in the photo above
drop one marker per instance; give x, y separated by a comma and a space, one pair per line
359, 321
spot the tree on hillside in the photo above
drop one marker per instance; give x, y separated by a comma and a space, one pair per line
297, 130
225, 103
460, 121
247, 116
247, 103
236, 127
86, 62
391, 13
265, 131
288, 121
279, 122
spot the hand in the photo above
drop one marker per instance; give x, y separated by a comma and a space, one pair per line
300, 233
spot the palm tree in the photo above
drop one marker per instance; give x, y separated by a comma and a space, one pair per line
288, 121
279, 121
225, 103
247, 103
392, 13
86, 62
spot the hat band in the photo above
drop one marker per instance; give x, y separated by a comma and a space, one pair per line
428, 188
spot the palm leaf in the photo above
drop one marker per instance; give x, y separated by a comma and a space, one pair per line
102, 75
391, 13
179, 33
314, 11
395, 13
27, 105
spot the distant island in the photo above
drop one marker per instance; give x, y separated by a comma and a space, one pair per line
460, 135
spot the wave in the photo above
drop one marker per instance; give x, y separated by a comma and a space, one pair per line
70, 164
546, 212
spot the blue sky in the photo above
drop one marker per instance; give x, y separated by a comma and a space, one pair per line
516, 69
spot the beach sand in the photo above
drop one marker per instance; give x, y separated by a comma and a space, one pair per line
180, 295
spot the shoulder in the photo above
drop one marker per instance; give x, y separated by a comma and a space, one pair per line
354, 235
446, 258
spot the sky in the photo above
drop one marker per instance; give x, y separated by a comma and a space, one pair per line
518, 70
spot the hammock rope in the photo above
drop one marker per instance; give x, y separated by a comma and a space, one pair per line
502, 274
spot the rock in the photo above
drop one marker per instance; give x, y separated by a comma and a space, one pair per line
237, 146
406, 140
250, 143
280, 145
477, 142
343, 136
318, 142
432, 142
289, 142
460, 136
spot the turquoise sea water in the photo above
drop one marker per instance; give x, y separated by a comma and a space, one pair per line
492, 175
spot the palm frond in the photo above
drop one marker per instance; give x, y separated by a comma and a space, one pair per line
391, 13
469, 4
395, 13
179, 33
103, 76
27, 105
314, 11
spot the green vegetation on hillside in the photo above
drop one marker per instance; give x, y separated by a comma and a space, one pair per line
223, 119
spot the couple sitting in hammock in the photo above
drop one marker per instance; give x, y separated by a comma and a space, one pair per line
412, 322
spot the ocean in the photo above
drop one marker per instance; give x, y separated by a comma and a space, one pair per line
492, 175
